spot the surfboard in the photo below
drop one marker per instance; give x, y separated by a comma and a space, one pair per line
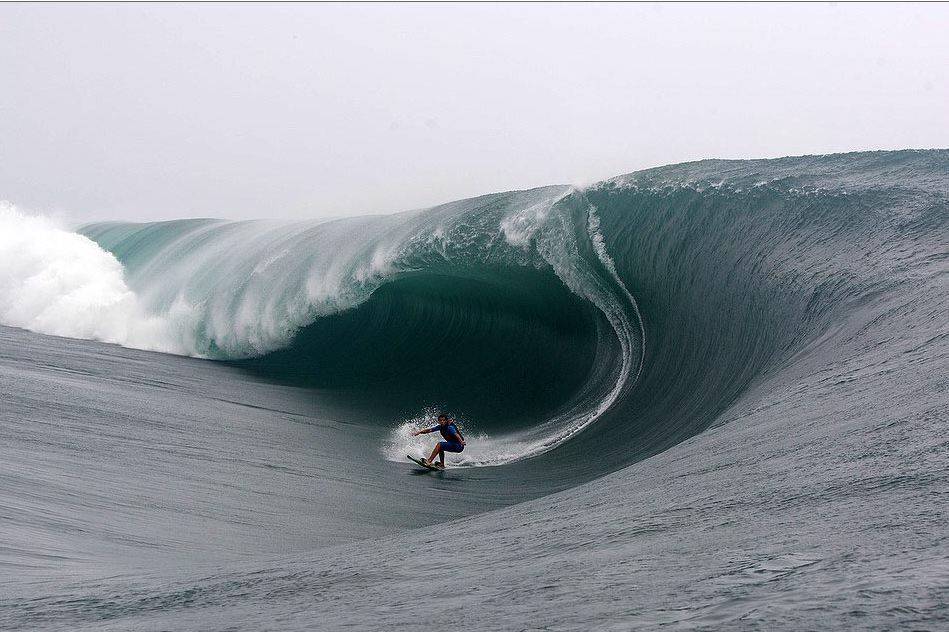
424, 464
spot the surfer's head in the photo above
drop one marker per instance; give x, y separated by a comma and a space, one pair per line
442, 418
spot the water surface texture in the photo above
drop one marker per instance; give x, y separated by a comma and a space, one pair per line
704, 395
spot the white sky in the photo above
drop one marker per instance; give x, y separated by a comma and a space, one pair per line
155, 111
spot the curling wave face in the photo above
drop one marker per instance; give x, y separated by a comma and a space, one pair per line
506, 308
647, 303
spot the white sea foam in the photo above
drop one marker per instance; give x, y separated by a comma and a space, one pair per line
481, 449
57, 282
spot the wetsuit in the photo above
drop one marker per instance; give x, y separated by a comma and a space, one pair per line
451, 436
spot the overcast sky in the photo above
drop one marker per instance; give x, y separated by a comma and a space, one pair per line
157, 111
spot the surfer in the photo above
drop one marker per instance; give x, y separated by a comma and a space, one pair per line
453, 441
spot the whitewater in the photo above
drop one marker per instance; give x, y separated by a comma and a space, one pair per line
702, 395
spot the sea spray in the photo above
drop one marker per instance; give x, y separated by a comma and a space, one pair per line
59, 282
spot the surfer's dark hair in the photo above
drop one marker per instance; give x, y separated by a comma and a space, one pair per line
440, 415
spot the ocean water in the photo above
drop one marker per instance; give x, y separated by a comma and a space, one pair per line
699, 396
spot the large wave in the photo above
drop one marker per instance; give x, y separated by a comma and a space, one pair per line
505, 308
646, 303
